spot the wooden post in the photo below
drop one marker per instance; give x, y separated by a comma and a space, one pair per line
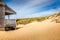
2, 14
8, 17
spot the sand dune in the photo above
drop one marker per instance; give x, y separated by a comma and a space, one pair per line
44, 30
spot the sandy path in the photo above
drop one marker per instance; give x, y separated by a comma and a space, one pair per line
34, 31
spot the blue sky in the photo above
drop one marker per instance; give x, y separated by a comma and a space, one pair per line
34, 8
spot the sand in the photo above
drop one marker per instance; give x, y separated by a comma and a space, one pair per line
44, 30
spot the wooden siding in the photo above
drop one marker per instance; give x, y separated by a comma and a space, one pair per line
2, 15
10, 22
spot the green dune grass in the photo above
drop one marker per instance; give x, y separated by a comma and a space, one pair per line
39, 19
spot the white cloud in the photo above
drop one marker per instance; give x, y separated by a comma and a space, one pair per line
36, 2
46, 13
30, 7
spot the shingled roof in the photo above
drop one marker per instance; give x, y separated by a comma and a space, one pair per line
8, 11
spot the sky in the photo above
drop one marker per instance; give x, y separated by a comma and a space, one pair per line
33, 8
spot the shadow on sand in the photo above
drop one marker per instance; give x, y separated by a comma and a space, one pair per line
3, 29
